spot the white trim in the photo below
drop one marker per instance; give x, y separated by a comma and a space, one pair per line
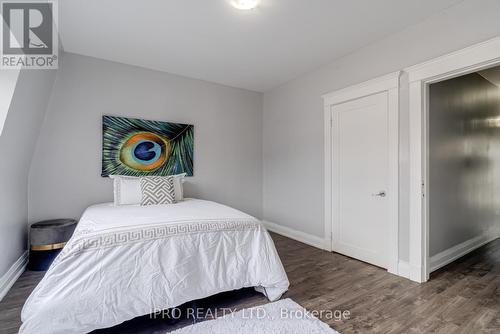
403, 269
373, 86
388, 83
303, 237
451, 254
483, 54
11, 276
328, 175
418, 250
465, 61
393, 127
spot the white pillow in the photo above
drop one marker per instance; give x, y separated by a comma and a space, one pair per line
179, 186
127, 189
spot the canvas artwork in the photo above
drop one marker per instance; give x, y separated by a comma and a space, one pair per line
137, 147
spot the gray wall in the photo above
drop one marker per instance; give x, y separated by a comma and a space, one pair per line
17, 144
464, 160
65, 174
293, 113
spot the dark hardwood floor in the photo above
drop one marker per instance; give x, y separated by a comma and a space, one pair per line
463, 297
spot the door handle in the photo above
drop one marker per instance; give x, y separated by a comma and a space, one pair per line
380, 194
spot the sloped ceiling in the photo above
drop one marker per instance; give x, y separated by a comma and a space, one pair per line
210, 40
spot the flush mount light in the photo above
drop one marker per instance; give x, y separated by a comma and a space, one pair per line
245, 4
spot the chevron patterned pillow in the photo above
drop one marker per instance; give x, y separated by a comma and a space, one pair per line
157, 190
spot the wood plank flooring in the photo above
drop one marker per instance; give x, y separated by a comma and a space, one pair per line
463, 297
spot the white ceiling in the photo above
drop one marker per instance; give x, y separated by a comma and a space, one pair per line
210, 40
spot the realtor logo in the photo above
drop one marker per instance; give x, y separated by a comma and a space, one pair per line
29, 37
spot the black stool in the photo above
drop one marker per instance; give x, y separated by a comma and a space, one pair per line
47, 238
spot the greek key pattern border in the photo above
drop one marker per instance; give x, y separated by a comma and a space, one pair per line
87, 242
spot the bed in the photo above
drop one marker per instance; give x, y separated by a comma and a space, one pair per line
131, 260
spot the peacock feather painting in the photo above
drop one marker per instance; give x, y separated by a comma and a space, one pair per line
137, 147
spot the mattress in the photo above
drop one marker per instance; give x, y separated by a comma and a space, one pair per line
128, 261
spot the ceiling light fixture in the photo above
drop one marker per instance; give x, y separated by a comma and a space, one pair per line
245, 4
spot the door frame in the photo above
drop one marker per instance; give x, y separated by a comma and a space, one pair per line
388, 83
465, 61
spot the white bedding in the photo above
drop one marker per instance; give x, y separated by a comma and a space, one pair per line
127, 261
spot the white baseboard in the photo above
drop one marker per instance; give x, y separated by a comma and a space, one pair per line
11, 276
451, 254
303, 237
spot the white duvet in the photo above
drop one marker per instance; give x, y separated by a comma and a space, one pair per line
127, 261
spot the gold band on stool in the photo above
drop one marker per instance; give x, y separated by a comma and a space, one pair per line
48, 247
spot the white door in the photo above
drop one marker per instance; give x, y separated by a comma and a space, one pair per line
360, 179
